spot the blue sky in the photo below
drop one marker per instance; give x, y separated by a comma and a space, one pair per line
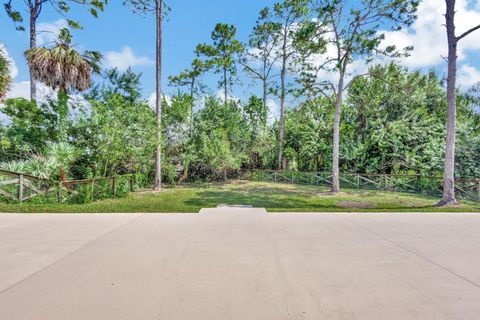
128, 39
189, 23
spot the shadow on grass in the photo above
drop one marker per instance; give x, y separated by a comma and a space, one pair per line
293, 197
214, 198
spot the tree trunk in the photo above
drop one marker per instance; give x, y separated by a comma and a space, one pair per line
184, 176
33, 44
449, 173
336, 135
62, 110
192, 87
264, 95
264, 84
158, 105
225, 87
282, 109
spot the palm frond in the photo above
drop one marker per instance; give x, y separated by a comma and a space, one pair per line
62, 67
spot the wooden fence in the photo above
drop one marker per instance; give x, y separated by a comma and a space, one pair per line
465, 188
19, 187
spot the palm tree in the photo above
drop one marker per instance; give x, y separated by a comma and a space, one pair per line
5, 78
64, 69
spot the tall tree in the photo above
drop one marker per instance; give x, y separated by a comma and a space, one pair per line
62, 67
351, 32
222, 55
158, 103
35, 8
284, 18
5, 78
156, 6
260, 59
189, 77
449, 170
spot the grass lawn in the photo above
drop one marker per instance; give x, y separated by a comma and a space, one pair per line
275, 197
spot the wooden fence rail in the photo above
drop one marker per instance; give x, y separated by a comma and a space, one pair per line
466, 188
21, 187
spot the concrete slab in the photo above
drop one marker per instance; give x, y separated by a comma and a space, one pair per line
234, 263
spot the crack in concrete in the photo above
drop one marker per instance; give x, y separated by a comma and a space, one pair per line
413, 252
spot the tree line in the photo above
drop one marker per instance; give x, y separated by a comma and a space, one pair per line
387, 119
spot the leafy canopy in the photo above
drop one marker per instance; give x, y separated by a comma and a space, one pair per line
61, 6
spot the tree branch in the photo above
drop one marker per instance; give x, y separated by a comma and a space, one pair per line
466, 33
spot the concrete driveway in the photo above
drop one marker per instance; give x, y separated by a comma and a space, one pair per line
240, 264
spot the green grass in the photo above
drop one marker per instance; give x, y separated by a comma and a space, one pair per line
274, 197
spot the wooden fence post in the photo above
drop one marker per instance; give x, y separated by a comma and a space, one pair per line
59, 193
20, 188
132, 185
478, 188
114, 185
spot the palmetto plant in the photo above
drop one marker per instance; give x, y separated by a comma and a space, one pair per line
5, 78
62, 153
15, 166
45, 165
42, 166
62, 67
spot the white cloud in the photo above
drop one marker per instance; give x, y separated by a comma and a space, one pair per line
152, 100
13, 67
221, 96
468, 76
47, 32
273, 111
22, 90
125, 59
428, 35
328, 73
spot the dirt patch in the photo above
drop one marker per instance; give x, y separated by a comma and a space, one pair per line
354, 204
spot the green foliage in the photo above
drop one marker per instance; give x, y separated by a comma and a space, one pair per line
397, 122
308, 136
349, 31
117, 131
392, 119
47, 164
145, 6
219, 138
222, 54
190, 77
5, 78
14, 11
31, 127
